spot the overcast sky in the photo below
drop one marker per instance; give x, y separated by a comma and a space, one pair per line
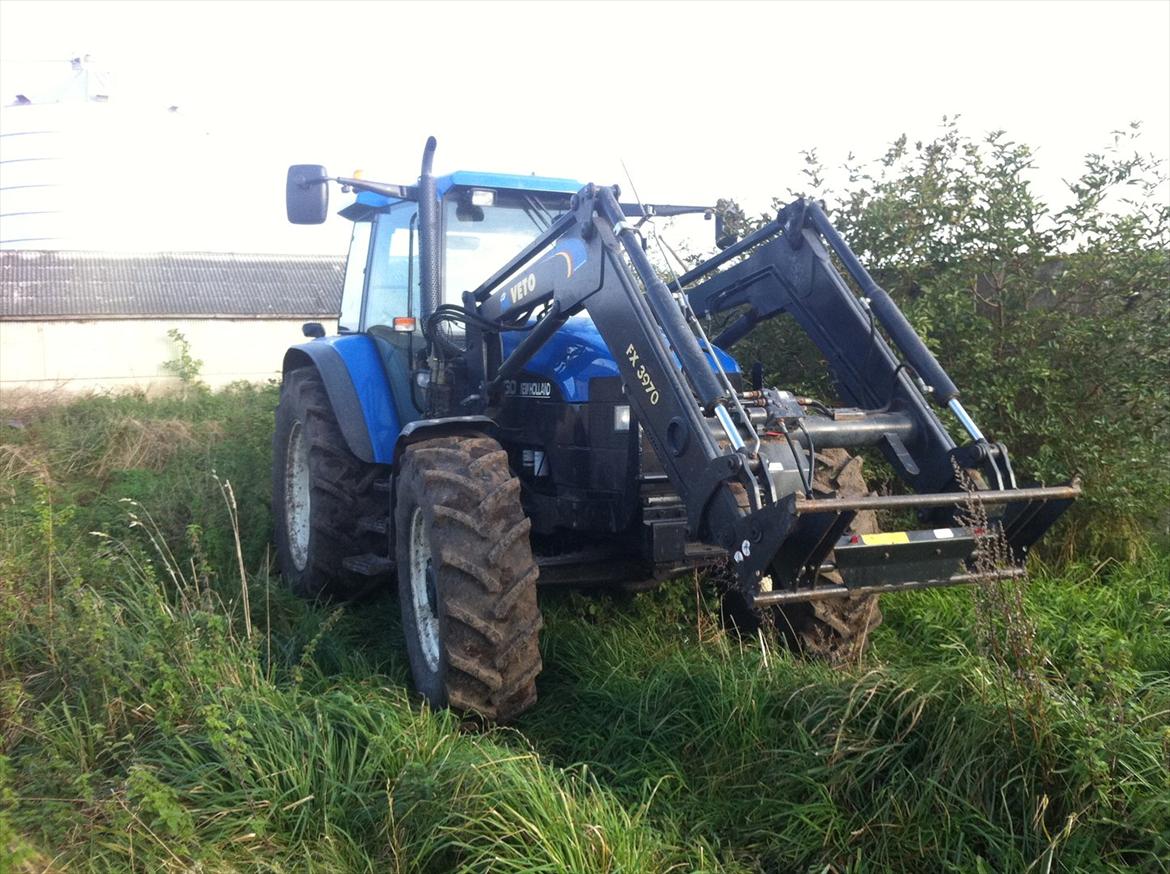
701, 100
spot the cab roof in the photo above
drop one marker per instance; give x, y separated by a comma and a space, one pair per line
506, 180
367, 201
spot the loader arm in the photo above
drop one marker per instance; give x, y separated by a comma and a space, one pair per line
791, 272
738, 458
579, 264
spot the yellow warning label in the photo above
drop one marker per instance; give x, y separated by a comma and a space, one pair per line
885, 538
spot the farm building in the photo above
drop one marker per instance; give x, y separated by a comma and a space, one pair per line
96, 321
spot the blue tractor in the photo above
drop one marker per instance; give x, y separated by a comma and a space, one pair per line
516, 397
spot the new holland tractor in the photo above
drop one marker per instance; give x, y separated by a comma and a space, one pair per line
516, 397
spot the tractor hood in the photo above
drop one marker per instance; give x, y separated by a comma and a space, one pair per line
576, 354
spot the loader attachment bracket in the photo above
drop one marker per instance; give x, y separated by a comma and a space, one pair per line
757, 539
903, 556
802, 533
1025, 523
809, 543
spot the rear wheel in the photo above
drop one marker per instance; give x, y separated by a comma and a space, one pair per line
467, 578
320, 492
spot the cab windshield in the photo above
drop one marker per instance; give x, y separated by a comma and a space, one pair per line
482, 239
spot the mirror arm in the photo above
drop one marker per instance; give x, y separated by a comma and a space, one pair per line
399, 192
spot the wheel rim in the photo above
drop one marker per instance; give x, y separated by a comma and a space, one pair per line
297, 496
422, 590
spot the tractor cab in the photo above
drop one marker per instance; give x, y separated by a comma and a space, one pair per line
484, 219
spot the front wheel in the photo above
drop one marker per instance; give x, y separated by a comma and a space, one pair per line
467, 578
836, 630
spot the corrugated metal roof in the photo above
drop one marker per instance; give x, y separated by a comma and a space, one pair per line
62, 284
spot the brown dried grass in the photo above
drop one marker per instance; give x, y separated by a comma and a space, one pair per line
148, 444
21, 461
27, 404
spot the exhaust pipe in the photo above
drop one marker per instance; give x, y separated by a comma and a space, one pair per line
429, 248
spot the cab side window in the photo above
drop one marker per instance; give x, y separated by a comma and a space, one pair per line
349, 320
393, 285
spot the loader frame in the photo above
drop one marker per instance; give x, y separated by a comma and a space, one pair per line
593, 260
732, 454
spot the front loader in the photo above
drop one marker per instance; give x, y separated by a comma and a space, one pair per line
516, 397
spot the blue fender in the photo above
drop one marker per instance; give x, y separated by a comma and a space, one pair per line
358, 392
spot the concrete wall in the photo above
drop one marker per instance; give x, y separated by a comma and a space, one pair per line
110, 354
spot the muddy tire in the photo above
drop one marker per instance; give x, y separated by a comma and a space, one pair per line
836, 630
467, 578
319, 492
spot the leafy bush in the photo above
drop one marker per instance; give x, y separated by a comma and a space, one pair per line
1054, 322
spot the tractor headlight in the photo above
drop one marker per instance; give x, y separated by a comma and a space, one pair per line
621, 418
483, 197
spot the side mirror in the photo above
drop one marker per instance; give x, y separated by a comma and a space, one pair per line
315, 330
306, 194
466, 212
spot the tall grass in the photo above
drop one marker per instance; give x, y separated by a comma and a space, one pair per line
146, 736
144, 727
939, 762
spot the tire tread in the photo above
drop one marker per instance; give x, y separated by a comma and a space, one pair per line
486, 573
